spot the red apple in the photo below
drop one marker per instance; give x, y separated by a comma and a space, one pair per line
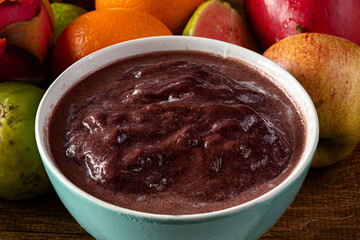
273, 20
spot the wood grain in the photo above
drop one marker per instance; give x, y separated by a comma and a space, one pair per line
327, 206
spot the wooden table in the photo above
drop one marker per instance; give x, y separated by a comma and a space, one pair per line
327, 207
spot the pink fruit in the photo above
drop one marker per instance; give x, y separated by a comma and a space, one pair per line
273, 20
218, 20
26, 38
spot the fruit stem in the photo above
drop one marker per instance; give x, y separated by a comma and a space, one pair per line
299, 29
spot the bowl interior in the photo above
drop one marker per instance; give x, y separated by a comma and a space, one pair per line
110, 54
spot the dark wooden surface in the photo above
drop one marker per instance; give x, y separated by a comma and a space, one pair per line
327, 207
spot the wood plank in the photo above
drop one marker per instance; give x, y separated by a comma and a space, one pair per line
42, 236
42, 214
327, 206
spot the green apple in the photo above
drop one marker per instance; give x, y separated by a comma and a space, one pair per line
22, 174
328, 67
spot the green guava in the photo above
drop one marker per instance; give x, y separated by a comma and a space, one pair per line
64, 14
22, 174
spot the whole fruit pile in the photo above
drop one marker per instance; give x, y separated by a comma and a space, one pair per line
316, 41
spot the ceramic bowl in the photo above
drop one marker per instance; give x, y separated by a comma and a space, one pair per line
246, 221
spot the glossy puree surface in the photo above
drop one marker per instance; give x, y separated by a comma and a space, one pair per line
176, 133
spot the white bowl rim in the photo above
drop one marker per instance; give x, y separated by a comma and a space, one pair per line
304, 162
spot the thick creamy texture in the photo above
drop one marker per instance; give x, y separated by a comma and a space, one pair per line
176, 133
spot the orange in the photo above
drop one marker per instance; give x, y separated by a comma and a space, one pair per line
174, 13
101, 28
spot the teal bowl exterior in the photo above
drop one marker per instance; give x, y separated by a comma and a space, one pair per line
249, 223
246, 221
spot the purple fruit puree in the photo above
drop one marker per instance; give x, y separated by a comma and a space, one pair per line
176, 133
